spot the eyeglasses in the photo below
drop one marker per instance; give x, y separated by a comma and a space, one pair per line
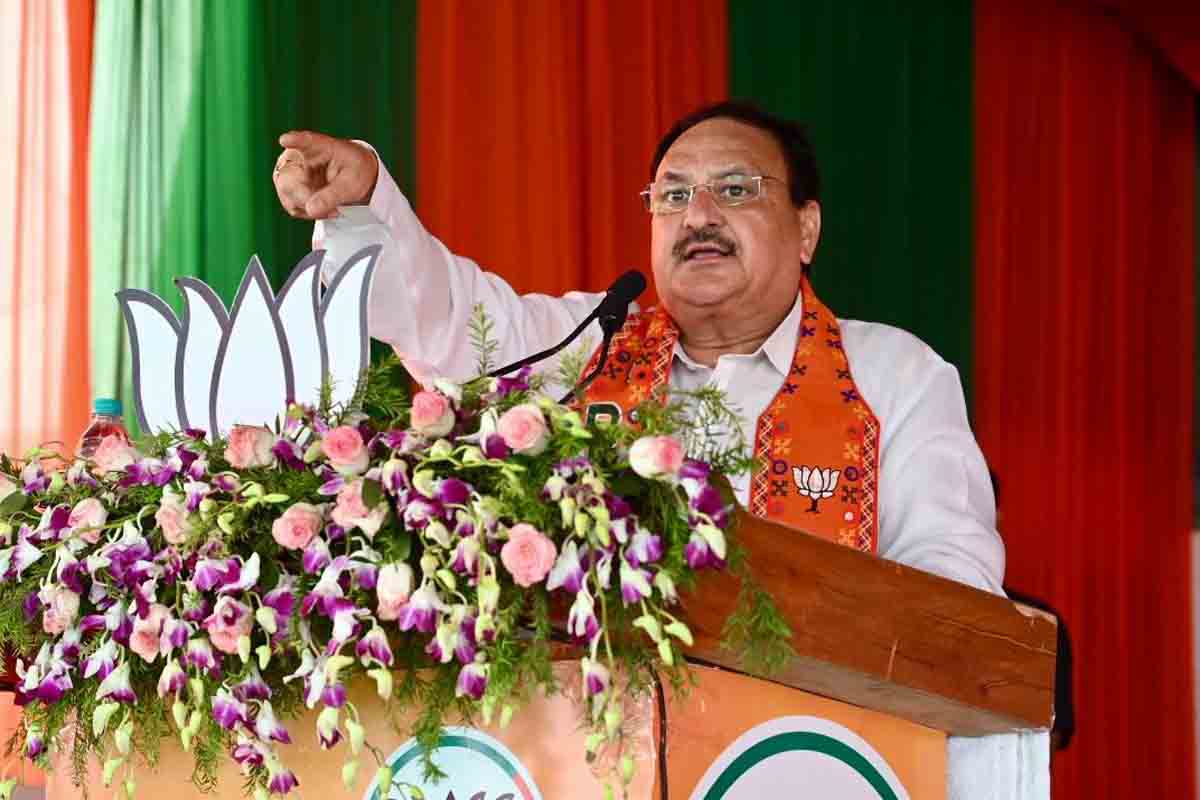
727, 191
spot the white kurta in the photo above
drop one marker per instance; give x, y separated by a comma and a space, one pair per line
936, 508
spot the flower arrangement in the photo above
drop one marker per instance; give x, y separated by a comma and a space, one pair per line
208, 590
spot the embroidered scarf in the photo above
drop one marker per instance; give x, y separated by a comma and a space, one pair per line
816, 444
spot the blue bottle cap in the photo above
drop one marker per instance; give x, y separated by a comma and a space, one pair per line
107, 406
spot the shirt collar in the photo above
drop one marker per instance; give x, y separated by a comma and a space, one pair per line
779, 347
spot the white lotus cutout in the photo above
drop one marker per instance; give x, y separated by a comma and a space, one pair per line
215, 368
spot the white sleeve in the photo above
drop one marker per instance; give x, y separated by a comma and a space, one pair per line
423, 295
936, 508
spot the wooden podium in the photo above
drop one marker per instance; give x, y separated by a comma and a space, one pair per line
889, 662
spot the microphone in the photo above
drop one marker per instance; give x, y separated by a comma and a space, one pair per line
611, 313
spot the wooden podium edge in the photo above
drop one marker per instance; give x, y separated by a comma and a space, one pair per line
888, 637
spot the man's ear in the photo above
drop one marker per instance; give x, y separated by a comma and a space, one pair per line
810, 230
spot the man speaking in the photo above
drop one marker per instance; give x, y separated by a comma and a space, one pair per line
860, 429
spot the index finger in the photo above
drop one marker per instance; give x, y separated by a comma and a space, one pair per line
315, 147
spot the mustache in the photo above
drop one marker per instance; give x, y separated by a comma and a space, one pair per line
703, 236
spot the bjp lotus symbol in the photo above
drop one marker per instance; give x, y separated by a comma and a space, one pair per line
815, 483
213, 368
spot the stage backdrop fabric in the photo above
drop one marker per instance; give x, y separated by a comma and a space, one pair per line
1084, 301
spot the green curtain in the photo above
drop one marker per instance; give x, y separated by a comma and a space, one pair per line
189, 99
886, 90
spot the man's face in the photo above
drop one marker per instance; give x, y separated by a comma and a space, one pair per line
740, 262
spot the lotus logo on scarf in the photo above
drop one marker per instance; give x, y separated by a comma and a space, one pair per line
477, 767
815, 483
213, 368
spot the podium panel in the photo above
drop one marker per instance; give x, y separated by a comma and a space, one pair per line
734, 737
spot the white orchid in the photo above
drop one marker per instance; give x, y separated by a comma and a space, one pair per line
214, 368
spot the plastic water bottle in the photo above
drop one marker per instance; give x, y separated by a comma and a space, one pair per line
106, 421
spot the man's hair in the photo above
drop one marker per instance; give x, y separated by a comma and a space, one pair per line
804, 182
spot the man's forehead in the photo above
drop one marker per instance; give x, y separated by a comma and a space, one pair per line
716, 145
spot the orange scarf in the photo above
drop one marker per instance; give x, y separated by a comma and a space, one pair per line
817, 443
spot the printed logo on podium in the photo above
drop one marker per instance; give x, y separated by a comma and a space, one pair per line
477, 767
800, 757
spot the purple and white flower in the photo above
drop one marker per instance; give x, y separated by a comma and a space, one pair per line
567, 572
268, 727
421, 610
228, 711
472, 681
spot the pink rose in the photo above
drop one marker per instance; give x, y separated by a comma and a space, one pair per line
145, 639
172, 519
114, 454
345, 450
62, 606
523, 429
393, 586
351, 512
656, 456
86, 518
527, 554
297, 527
229, 622
250, 446
432, 414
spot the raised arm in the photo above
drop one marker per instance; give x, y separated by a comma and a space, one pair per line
423, 294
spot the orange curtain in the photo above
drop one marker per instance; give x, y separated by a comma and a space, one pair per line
536, 121
1085, 300
45, 68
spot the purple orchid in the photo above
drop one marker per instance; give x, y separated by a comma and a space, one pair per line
31, 607
452, 492
420, 510
328, 733
282, 599
334, 695
466, 556
268, 727
35, 745
289, 454
210, 573
316, 556
247, 753
101, 662
79, 475
420, 612
282, 780
200, 655
34, 479
226, 482
116, 686
644, 548
699, 555
472, 681
567, 572
582, 624
494, 446
252, 687
504, 386
596, 678
68, 647
172, 679
345, 615
374, 648
366, 576
635, 583
196, 491
328, 588
228, 711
